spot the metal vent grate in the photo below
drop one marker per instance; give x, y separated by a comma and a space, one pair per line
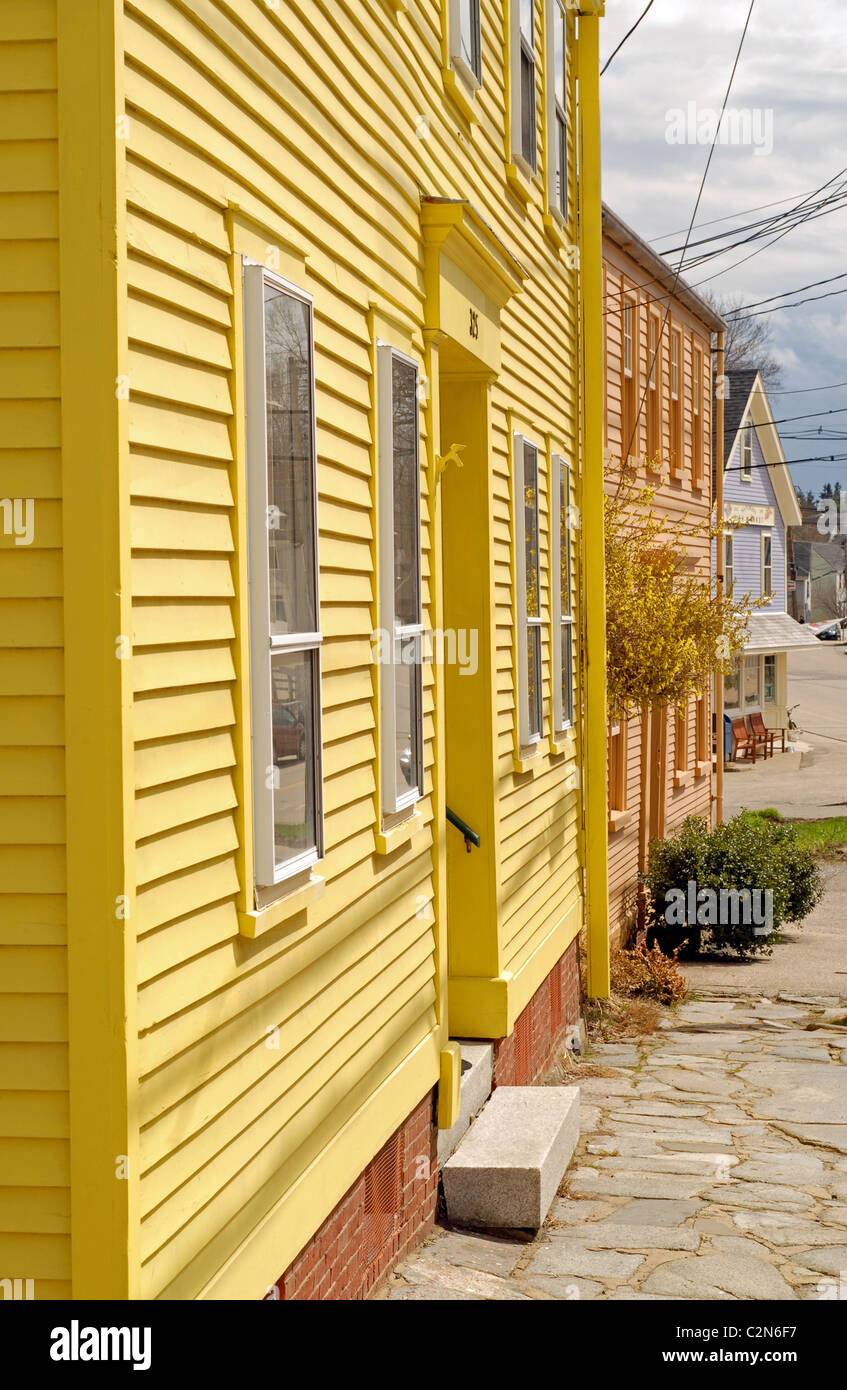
383, 1196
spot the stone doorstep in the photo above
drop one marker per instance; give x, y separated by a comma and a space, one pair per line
475, 1088
507, 1169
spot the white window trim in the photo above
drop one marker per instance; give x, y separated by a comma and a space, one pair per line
773, 700
516, 124
746, 470
262, 643
767, 590
559, 526
550, 8
522, 620
728, 565
457, 62
392, 799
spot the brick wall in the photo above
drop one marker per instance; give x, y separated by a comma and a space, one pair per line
540, 1031
389, 1207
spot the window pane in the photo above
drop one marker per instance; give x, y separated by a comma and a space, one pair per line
732, 687
291, 540
293, 704
406, 714
528, 109
526, 19
559, 56
751, 681
407, 531
530, 479
565, 563
533, 678
469, 36
770, 679
561, 185
567, 672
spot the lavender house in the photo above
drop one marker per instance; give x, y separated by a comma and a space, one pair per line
760, 501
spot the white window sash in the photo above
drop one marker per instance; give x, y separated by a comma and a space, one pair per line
523, 622
555, 114
561, 530
393, 798
516, 47
458, 61
767, 565
263, 644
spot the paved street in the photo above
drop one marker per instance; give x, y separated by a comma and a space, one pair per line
712, 1164
816, 786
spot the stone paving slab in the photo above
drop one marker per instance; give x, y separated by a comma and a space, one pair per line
712, 1164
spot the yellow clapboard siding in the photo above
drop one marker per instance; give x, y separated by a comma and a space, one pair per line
28, 115
29, 215
166, 201
33, 1018
167, 427
28, 165
180, 577
177, 850
155, 623
163, 716
173, 332
42, 1210
27, 970
34, 1114
180, 480
177, 254
38, 1066
182, 757
156, 670
163, 527
32, 771
31, 672
164, 940
32, 820
31, 472
169, 378
43, 1256
28, 266
172, 290
32, 373
29, 321
29, 424
38, 722
157, 811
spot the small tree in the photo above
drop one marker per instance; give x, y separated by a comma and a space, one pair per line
667, 631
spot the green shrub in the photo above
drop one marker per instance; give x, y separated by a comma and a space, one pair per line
763, 858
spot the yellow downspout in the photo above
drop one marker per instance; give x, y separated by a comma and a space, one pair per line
719, 575
592, 520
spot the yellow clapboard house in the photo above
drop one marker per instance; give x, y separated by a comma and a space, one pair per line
292, 331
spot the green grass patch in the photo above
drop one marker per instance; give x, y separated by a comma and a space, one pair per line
821, 836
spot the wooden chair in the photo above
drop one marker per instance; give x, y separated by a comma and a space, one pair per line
742, 741
761, 733
756, 720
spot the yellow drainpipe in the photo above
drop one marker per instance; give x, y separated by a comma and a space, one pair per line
592, 520
719, 574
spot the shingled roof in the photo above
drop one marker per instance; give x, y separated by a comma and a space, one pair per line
740, 384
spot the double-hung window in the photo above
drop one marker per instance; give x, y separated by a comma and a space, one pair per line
629, 384
728, 564
466, 40
617, 760
767, 564
747, 454
285, 638
557, 107
522, 45
654, 393
770, 680
401, 614
697, 416
681, 739
704, 751
528, 599
562, 594
676, 401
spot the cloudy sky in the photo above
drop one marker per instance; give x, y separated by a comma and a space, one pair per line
793, 66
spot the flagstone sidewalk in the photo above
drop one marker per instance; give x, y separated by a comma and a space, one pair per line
712, 1164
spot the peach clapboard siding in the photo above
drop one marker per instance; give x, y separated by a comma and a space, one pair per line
34, 1123
676, 497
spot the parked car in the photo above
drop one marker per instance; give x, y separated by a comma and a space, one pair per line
831, 631
289, 732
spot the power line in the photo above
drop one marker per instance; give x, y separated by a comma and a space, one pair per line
804, 390
790, 463
810, 299
690, 226
742, 308
625, 37
743, 212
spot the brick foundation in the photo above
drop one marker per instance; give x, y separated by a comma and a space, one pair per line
541, 1029
392, 1204
388, 1208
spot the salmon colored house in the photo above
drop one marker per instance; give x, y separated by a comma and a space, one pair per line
294, 303
658, 378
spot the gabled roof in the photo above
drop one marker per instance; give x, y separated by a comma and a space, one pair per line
663, 278
746, 401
